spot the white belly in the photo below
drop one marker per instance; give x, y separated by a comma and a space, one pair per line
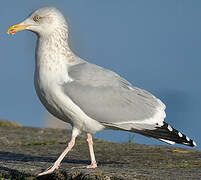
61, 106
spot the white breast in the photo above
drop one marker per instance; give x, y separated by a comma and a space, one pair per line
50, 74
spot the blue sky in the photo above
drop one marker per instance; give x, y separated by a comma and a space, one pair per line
156, 45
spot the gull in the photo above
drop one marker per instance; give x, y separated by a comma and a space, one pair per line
87, 96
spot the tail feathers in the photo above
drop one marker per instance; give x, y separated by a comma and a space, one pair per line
168, 134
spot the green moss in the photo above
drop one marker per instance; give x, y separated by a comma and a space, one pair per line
5, 123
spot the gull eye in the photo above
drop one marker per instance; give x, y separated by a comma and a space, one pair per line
36, 18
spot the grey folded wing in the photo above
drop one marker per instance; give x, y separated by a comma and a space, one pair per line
106, 97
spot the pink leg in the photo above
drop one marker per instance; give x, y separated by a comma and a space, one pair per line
91, 150
58, 161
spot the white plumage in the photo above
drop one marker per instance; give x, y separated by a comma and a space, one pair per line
87, 96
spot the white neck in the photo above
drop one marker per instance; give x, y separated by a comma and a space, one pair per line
54, 46
53, 56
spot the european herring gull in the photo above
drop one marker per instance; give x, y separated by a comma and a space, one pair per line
88, 96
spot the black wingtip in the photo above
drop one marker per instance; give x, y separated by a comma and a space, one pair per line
168, 134
176, 136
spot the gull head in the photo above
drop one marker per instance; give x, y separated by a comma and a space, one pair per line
43, 22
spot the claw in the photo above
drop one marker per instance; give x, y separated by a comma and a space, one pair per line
91, 166
48, 170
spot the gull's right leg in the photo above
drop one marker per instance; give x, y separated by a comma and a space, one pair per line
58, 161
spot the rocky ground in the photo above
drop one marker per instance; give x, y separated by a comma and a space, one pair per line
26, 151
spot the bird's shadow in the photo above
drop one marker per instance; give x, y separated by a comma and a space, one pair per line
10, 157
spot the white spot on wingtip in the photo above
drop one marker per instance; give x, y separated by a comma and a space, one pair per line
170, 128
187, 138
180, 135
130, 87
194, 143
167, 141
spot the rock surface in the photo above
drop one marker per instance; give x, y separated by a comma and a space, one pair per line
25, 151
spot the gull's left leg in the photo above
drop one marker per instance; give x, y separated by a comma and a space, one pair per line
93, 164
91, 150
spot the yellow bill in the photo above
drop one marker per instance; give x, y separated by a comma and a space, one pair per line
17, 27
